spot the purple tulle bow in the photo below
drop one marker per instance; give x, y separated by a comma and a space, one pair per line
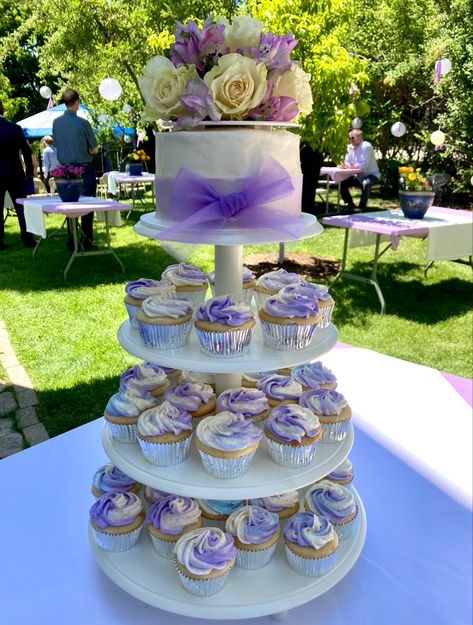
199, 207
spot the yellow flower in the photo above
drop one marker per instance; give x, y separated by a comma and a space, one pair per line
412, 176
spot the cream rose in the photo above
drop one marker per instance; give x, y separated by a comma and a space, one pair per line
244, 32
161, 85
295, 83
237, 84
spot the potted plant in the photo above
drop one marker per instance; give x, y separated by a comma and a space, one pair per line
68, 180
135, 159
415, 192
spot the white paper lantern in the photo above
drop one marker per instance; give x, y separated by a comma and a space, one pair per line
445, 66
127, 139
45, 92
357, 123
398, 129
437, 137
110, 89
471, 180
102, 119
126, 108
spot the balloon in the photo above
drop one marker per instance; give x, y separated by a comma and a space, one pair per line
126, 108
437, 137
398, 129
357, 123
45, 92
110, 89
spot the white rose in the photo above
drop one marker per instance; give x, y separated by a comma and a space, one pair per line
244, 32
161, 85
237, 84
295, 83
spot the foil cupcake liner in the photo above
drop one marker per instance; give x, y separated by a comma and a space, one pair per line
132, 311
326, 315
334, 432
117, 542
310, 567
163, 547
247, 559
287, 336
345, 528
196, 297
164, 337
121, 432
203, 587
164, 454
225, 344
226, 468
288, 455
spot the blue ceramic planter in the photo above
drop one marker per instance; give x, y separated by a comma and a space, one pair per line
414, 204
135, 170
69, 190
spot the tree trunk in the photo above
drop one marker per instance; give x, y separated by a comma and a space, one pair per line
311, 162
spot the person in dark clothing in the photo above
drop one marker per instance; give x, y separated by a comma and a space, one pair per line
12, 174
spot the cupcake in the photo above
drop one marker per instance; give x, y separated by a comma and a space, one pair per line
215, 512
255, 533
147, 377
109, 479
314, 375
152, 495
139, 290
250, 380
122, 412
280, 389
191, 283
165, 323
334, 502
223, 327
272, 282
116, 520
311, 543
288, 321
292, 434
333, 411
284, 505
248, 284
164, 434
342, 475
203, 558
168, 519
226, 443
172, 373
320, 293
198, 400
197, 376
251, 402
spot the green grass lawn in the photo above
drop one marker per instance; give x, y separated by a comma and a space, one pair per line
64, 332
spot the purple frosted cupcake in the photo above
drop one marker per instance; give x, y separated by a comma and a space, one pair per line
204, 557
190, 282
250, 380
122, 412
248, 284
199, 400
139, 290
292, 434
255, 533
333, 411
335, 502
311, 544
109, 479
284, 505
152, 495
147, 377
226, 443
314, 375
343, 474
320, 293
272, 282
168, 519
117, 519
223, 327
164, 434
251, 402
280, 389
165, 323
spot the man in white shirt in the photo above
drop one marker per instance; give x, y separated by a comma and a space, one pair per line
360, 155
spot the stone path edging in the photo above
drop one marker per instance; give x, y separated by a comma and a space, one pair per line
19, 424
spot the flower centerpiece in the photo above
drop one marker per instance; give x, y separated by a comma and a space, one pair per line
68, 180
136, 158
415, 192
225, 71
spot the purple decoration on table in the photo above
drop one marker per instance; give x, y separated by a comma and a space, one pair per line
274, 108
199, 104
274, 51
222, 309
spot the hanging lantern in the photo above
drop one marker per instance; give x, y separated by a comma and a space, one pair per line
471, 180
45, 92
398, 129
442, 67
110, 89
357, 123
102, 119
437, 137
127, 139
126, 108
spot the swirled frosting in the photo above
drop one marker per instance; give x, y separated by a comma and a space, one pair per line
223, 309
277, 503
291, 422
257, 375
129, 404
228, 431
280, 387
173, 514
116, 509
252, 524
333, 501
308, 289
145, 377
197, 376
323, 401
248, 401
291, 305
306, 529
202, 550
167, 307
163, 419
220, 506
313, 374
189, 395
246, 274
276, 280
182, 274
109, 479
145, 287
344, 471
153, 494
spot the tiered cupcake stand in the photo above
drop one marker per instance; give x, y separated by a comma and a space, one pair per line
276, 588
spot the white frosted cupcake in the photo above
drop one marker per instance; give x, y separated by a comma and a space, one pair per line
272, 282
255, 533
250, 380
200, 377
314, 375
199, 400
117, 520
168, 519
311, 544
333, 411
215, 512
190, 282
139, 290
250, 402
203, 558
343, 474
165, 323
284, 505
164, 434
248, 284
148, 377
110, 479
280, 389
122, 412
335, 502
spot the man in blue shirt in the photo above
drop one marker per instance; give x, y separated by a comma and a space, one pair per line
75, 144
360, 155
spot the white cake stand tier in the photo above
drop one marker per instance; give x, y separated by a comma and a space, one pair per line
247, 594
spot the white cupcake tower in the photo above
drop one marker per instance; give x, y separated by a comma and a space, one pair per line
276, 588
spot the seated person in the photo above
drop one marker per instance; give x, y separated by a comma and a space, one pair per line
360, 155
